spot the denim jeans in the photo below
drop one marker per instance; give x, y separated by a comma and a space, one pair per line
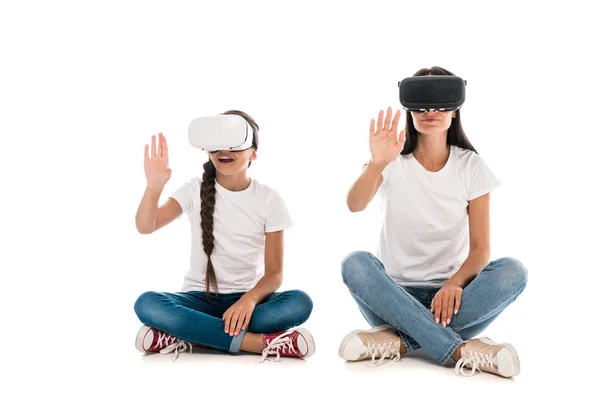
190, 316
382, 301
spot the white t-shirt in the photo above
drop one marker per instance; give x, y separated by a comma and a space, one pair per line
240, 222
424, 239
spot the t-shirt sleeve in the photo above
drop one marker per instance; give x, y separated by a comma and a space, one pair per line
483, 180
278, 216
186, 195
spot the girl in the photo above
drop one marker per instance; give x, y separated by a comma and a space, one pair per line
431, 284
237, 227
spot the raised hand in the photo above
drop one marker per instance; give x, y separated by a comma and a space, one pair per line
156, 163
384, 142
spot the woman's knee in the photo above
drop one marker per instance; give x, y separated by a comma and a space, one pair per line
514, 272
355, 266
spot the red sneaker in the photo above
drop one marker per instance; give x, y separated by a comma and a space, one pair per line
151, 340
295, 343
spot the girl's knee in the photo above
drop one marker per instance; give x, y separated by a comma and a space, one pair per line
145, 303
303, 304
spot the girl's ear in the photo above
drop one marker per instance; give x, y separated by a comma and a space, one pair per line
253, 155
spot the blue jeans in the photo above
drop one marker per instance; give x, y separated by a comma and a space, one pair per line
382, 301
190, 316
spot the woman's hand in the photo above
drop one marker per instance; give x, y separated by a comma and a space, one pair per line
237, 317
384, 142
156, 163
446, 303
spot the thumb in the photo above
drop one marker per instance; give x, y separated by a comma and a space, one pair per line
401, 139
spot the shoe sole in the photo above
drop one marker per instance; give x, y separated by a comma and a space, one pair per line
310, 341
139, 339
353, 333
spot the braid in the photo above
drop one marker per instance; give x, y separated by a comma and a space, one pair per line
207, 208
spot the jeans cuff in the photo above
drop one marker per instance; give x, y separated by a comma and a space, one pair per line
236, 342
449, 353
406, 342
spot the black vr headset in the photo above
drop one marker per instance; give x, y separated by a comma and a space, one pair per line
432, 92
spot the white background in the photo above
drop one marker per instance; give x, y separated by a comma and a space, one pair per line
84, 85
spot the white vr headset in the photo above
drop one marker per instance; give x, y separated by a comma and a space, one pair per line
220, 132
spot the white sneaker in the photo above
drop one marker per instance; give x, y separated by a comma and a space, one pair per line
485, 355
382, 341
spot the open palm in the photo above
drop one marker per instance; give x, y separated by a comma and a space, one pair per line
384, 142
156, 162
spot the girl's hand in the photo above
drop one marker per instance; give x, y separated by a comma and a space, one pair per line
156, 163
384, 142
446, 303
237, 317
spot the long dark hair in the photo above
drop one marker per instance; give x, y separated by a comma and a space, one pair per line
456, 134
207, 207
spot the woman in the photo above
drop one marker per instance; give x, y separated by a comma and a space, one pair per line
431, 285
237, 226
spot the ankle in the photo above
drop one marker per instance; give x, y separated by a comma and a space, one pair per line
457, 354
253, 342
402, 348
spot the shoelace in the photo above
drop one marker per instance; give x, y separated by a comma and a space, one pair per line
477, 361
165, 339
179, 345
278, 345
384, 350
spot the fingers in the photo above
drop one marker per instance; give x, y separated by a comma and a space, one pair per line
438, 309
396, 121
380, 121
372, 127
165, 148
160, 145
234, 324
227, 320
153, 152
240, 322
445, 304
247, 321
401, 140
457, 302
146, 155
388, 119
